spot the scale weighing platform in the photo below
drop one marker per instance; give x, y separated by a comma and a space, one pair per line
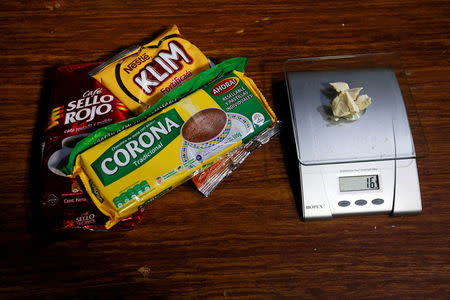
366, 166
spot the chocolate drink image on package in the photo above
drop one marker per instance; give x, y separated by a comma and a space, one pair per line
204, 126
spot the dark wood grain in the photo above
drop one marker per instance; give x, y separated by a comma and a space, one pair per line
247, 239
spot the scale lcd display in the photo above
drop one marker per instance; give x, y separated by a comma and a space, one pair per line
358, 183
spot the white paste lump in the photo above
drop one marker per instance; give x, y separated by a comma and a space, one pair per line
348, 103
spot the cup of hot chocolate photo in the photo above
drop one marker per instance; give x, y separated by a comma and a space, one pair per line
206, 128
59, 158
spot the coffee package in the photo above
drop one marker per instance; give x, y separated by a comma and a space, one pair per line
78, 106
127, 165
140, 75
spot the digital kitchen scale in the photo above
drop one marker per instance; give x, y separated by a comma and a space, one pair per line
365, 166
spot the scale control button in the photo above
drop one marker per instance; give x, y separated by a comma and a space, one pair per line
361, 202
377, 201
344, 203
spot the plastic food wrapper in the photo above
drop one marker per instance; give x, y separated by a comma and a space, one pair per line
78, 106
127, 165
211, 177
141, 75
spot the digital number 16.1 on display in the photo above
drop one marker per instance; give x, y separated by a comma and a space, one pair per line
358, 183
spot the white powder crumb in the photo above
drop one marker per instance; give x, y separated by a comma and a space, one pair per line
375, 227
144, 270
343, 24
240, 31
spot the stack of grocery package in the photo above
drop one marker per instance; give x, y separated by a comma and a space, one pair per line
123, 133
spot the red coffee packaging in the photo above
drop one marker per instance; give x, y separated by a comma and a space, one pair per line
78, 106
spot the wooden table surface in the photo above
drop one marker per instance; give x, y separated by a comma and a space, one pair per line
246, 240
